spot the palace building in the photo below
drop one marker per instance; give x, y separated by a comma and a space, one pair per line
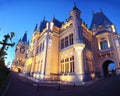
69, 51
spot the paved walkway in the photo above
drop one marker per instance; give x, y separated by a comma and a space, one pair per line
59, 82
21, 86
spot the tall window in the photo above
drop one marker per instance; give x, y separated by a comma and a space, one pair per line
62, 43
67, 65
43, 46
104, 44
72, 66
62, 66
71, 39
66, 41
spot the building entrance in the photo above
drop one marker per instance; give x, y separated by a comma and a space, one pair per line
19, 70
108, 68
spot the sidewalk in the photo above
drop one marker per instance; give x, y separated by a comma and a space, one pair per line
38, 81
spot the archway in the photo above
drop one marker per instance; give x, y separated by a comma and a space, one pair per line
19, 70
108, 68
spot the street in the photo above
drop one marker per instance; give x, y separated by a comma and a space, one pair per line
21, 86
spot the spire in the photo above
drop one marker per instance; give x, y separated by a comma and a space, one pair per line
53, 16
24, 39
36, 26
101, 10
75, 8
42, 25
74, 4
19, 39
57, 22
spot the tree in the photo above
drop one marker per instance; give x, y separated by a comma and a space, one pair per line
5, 45
2, 63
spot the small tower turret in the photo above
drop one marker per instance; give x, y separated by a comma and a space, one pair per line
43, 25
78, 42
77, 25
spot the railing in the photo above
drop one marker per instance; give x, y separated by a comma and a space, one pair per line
106, 51
58, 85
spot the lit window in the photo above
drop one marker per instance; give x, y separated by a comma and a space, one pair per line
62, 66
67, 65
72, 67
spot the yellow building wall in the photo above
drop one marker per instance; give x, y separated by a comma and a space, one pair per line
28, 65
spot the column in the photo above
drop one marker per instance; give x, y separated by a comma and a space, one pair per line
79, 65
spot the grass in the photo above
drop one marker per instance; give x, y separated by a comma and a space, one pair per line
4, 77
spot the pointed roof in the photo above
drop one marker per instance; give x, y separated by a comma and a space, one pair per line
99, 19
36, 27
43, 25
57, 22
24, 39
19, 39
75, 8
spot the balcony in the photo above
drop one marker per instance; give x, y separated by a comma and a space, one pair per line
107, 51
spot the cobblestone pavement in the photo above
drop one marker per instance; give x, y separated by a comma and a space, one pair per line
21, 86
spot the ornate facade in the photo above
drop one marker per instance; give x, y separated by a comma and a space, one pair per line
71, 51
20, 54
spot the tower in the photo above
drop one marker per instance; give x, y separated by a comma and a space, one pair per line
20, 54
77, 25
78, 42
106, 37
33, 50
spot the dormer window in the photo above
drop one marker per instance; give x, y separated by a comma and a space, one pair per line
103, 44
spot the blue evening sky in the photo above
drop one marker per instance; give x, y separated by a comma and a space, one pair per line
19, 16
